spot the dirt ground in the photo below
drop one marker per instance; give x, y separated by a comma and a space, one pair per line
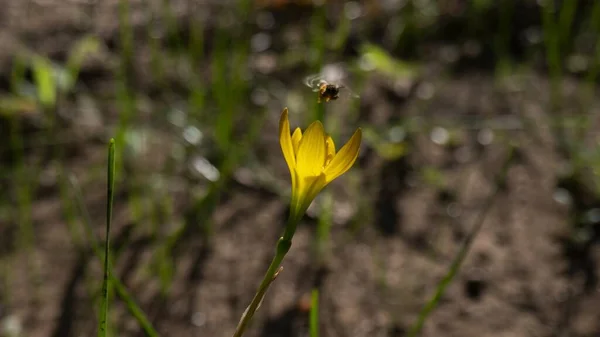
523, 276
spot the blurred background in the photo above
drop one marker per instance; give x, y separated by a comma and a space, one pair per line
478, 168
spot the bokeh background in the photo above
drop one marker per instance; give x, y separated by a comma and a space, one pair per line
480, 122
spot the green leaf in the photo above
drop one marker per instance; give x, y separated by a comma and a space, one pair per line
84, 47
383, 62
44, 81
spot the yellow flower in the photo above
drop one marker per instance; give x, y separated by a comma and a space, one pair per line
313, 161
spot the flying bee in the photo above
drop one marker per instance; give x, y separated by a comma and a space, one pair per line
327, 90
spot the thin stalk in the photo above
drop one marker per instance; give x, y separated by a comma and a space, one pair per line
103, 326
464, 249
592, 76
322, 239
565, 21
314, 314
119, 288
283, 246
552, 40
552, 44
502, 38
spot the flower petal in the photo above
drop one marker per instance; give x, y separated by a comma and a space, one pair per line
329, 150
345, 158
309, 187
285, 140
296, 136
310, 158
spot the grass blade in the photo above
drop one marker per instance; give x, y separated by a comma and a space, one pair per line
464, 249
452, 270
120, 289
314, 314
102, 329
44, 82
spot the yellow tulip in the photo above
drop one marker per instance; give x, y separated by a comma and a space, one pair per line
313, 161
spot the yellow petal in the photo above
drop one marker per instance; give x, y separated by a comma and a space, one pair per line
285, 139
311, 186
311, 151
297, 186
345, 158
329, 150
296, 136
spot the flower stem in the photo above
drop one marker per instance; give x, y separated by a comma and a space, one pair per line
283, 246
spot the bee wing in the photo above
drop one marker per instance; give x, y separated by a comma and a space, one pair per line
313, 81
346, 91
332, 74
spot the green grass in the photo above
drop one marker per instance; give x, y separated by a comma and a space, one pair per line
106, 284
463, 250
120, 289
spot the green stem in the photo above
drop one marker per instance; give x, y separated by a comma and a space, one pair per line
314, 314
282, 248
